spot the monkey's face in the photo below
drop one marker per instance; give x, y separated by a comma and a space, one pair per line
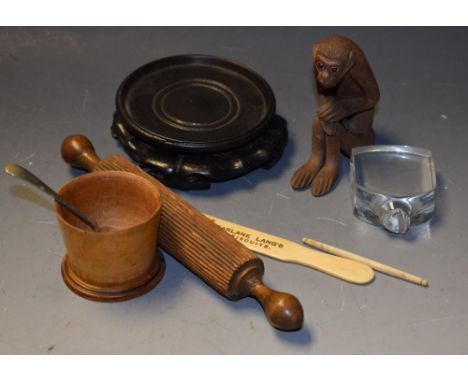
329, 72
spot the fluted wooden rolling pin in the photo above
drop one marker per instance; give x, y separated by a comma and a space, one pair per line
198, 243
288, 251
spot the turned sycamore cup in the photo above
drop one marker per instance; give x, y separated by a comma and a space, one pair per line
120, 260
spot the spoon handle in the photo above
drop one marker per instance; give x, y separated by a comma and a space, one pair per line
20, 172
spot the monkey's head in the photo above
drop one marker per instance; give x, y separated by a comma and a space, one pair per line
333, 57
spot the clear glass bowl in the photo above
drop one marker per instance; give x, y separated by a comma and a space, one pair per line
393, 186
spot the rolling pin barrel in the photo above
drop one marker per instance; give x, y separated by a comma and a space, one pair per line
199, 244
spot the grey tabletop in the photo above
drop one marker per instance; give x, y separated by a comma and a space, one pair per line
61, 81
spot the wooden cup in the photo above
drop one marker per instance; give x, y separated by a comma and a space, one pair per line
121, 260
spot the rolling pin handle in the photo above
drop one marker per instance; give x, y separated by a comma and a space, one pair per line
78, 151
283, 310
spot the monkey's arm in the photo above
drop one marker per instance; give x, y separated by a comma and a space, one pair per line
369, 94
365, 98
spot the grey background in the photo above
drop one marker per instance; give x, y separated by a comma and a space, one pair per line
59, 81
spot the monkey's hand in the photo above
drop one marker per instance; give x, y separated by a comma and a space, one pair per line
332, 112
329, 128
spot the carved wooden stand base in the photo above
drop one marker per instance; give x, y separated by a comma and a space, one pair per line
117, 292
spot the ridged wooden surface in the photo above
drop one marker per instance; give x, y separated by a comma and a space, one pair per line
194, 240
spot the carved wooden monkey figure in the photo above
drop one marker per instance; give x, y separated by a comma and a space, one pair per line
347, 93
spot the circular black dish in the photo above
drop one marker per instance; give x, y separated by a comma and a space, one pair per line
195, 103
191, 120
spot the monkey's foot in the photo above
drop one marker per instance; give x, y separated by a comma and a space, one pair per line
304, 175
324, 181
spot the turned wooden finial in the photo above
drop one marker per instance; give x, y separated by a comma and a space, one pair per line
283, 310
78, 151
